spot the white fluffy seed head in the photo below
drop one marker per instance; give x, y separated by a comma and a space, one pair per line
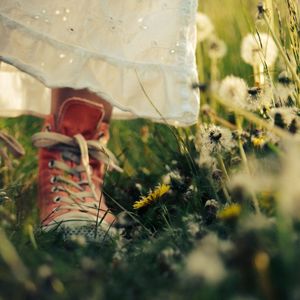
234, 89
204, 27
258, 49
212, 140
216, 48
286, 114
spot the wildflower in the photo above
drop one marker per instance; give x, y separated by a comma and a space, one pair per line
193, 229
232, 211
44, 271
284, 90
256, 222
284, 116
217, 48
259, 98
152, 197
204, 27
234, 89
168, 253
171, 176
258, 141
211, 209
293, 63
208, 253
259, 49
243, 184
211, 141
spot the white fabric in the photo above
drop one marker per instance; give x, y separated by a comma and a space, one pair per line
137, 54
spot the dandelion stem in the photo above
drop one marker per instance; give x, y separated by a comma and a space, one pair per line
239, 121
258, 73
224, 170
270, 12
226, 193
223, 167
214, 118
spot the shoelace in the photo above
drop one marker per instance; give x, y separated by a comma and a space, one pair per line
76, 149
12, 145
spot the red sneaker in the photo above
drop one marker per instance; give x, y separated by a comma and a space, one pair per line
72, 162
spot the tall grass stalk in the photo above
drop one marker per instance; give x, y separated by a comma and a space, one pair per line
270, 13
251, 117
282, 51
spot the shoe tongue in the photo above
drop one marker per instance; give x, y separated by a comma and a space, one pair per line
79, 116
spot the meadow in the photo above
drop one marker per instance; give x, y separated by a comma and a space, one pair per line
207, 212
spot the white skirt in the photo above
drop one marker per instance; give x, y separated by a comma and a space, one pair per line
137, 54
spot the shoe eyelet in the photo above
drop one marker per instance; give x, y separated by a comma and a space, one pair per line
100, 135
56, 199
54, 189
53, 179
51, 164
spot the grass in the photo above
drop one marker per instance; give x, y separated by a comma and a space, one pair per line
201, 240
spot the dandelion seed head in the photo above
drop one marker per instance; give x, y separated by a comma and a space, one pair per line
208, 253
168, 252
173, 175
215, 138
285, 89
217, 48
214, 87
282, 63
258, 49
286, 115
259, 98
45, 271
257, 222
212, 140
212, 203
204, 27
234, 89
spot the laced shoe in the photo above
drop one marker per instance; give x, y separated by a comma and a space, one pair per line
73, 159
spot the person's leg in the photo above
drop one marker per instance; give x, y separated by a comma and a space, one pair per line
71, 171
60, 95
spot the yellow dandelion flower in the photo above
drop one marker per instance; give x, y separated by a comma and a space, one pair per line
258, 141
230, 212
152, 196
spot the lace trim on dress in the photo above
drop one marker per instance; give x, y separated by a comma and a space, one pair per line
178, 103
